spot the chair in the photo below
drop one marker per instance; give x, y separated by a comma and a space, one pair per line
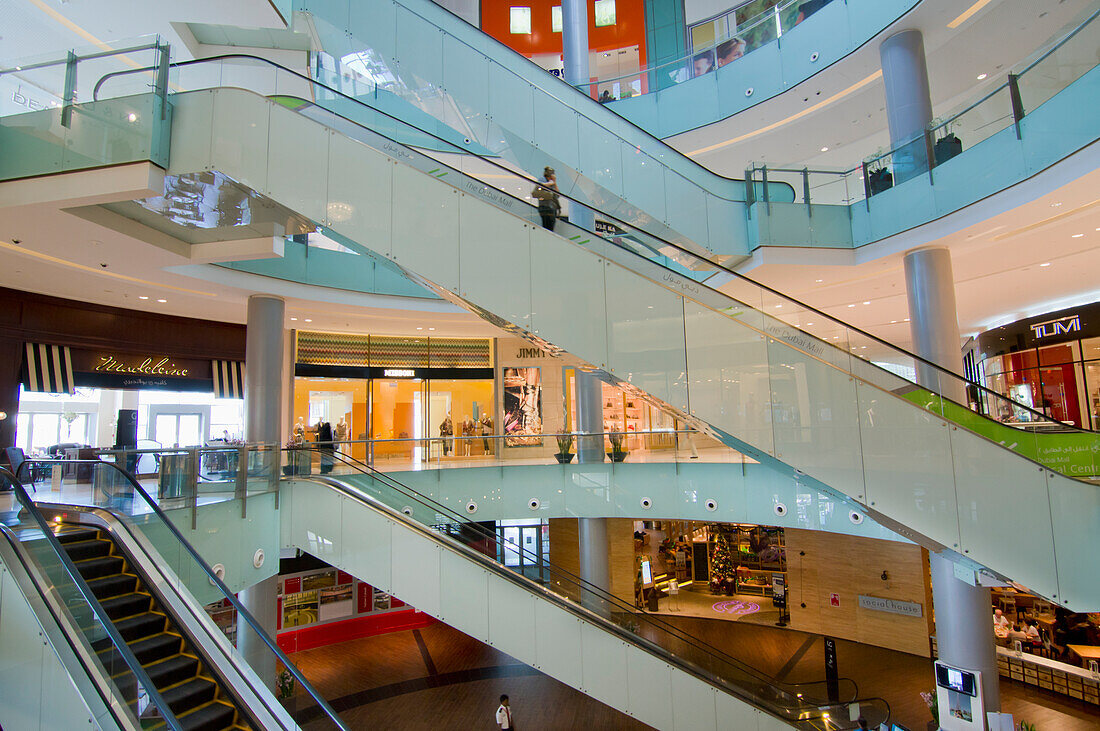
17, 460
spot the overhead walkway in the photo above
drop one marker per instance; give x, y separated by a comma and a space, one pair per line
129, 646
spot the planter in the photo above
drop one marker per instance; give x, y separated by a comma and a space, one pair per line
946, 148
880, 180
564, 458
617, 456
299, 462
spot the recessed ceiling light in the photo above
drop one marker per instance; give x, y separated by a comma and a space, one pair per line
893, 322
132, 117
1055, 205
778, 306
1045, 264
907, 319
1076, 236
819, 281
143, 296
981, 77
866, 302
824, 149
808, 324
431, 328
851, 305
162, 301
294, 319
419, 328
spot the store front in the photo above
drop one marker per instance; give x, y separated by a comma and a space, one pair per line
1050, 363
410, 398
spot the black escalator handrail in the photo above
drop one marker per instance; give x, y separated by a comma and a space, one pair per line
770, 707
965, 382
578, 581
13, 542
81, 585
214, 579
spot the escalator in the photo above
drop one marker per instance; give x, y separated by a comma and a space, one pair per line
767, 375
171, 661
444, 564
112, 590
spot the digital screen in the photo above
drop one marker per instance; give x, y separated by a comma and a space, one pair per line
955, 679
898, 727
647, 573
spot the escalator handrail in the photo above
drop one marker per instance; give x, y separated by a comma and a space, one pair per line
105, 621
570, 606
91, 668
580, 582
216, 581
919, 360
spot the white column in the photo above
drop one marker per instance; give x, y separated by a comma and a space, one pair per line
964, 613
908, 101
595, 567
574, 39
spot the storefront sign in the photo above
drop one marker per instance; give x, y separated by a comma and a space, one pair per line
530, 353
893, 606
150, 366
398, 373
1061, 326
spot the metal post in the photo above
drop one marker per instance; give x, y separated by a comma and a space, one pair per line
193, 485
930, 151
1017, 102
866, 186
764, 182
69, 94
240, 488
161, 87
806, 190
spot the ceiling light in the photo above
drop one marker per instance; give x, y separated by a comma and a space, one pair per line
907, 319
143, 296
1045, 264
1055, 205
981, 77
132, 117
308, 320
778, 306
294, 319
966, 14
824, 149
1076, 236
819, 281
162, 301
866, 302
419, 328
893, 322
808, 324
851, 305
431, 328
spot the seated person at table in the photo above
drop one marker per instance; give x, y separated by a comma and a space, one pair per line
1000, 621
1017, 634
1032, 632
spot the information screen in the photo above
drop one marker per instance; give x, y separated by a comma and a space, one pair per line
647, 574
955, 679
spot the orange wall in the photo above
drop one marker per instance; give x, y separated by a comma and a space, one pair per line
629, 28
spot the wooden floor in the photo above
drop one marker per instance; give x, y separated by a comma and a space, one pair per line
438, 678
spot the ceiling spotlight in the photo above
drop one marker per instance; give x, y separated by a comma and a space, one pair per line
981, 77
1045, 264
419, 328
907, 319
308, 320
162, 301
132, 117
143, 296
893, 322
851, 305
866, 302
819, 281
1055, 205
1076, 236
294, 319
824, 149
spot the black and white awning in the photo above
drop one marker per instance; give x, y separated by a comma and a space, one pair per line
48, 368
228, 379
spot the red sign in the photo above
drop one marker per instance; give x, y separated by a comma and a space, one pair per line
292, 586
365, 598
279, 613
342, 577
834, 600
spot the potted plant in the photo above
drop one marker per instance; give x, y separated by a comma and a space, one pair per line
933, 704
565, 446
298, 459
618, 451
285, 683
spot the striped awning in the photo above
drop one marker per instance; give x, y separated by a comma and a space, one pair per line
48, 368
228, 379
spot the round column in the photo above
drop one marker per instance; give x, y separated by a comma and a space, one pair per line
591, 532
574, 40
964, 612
908, 101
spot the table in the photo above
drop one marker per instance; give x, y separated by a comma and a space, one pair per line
1085, 652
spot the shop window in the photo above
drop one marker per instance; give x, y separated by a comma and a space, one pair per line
1090, 348
519, 20
605, 13
555, 19
1058, 354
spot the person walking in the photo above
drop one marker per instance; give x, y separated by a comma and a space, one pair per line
504, 715
546, 192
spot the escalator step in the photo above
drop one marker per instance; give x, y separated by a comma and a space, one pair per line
80, 550
111, 586
147, 651
189, 694
73, 534
97, 568
172, 670
126, 605
213, 716
141, 626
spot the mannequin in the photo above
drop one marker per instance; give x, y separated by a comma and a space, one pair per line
446, 429
300, 431
340, 434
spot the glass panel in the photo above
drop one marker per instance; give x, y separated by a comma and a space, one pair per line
190, 432
166, 429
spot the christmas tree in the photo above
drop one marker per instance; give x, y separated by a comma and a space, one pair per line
723, 564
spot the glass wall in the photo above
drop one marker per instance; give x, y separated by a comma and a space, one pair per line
1060, 381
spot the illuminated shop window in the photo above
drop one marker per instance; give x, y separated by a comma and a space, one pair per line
605, 13
555, 19
519, 20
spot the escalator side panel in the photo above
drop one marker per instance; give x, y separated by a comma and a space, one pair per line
519, 622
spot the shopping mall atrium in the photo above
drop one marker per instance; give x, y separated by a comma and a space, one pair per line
614, 364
